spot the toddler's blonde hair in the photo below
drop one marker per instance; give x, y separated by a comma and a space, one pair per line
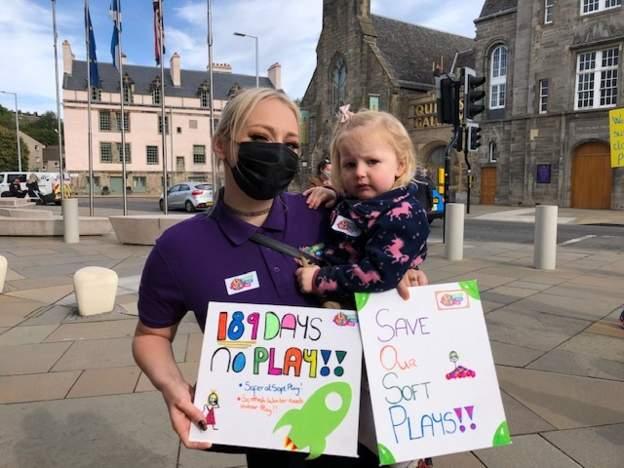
392, 129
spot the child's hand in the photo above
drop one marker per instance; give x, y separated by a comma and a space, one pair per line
411, 278
317, 196
305, 277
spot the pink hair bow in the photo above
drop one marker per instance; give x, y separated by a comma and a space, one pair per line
344, 114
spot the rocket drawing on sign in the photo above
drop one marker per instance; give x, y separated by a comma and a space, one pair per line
460, 372
311, 424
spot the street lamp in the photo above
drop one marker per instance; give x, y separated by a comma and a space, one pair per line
19, 148
256, 38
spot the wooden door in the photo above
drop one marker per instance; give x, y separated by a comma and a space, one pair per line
488, 185
592, 177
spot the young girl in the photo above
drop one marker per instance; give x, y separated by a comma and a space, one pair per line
378, 230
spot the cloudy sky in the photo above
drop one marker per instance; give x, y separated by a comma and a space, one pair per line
288, 32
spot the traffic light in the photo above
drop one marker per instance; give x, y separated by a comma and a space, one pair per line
447, 90
473, 96
473, 136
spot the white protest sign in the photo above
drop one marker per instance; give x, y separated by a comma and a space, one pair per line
431, 374
280, 377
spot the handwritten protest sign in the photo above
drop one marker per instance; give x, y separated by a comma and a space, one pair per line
616, 137
280, 377
430, 371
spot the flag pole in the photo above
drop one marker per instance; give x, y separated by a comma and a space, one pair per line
123, 117
90, 133
163, 117
213, 156
58, 103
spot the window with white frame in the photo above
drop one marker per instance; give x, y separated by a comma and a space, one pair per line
156, 94
105, 121
106, 152
126, 122
204, 98
549, 6
118, 157
593, 6
166, 124
498, 77
596, 78
151, 154
96, 94
199, 154
543, 96
492, 152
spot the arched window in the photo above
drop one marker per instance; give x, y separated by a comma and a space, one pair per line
339, 83
498, 77
492, 152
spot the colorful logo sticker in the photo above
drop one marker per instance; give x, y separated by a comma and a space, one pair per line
450, 300
241, 283
343, 320
346, 226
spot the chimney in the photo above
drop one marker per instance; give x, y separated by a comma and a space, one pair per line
275, 75
174, 69
222, 67
68, 58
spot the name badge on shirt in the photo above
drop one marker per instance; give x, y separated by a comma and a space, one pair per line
242, 283
346, 226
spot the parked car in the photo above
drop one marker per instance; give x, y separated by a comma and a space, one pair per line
437, 210
189, 196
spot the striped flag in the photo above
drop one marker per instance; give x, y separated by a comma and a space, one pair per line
115, 12
159, 32
92, 57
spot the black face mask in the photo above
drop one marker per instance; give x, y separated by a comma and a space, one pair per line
264, 169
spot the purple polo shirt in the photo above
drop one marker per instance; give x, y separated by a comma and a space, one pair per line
189, 265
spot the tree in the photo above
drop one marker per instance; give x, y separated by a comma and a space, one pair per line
8, 151
44, 129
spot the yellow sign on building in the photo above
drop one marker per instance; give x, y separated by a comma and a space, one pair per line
616, 137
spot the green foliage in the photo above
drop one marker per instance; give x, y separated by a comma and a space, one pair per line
8, 151
43, 129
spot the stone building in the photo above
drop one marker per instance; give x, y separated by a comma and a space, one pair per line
553, 71
379, 63
35, 151
187, 121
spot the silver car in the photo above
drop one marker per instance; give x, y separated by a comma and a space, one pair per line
189, 196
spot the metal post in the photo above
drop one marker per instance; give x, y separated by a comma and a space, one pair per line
90, 131
123, 125
163, 129
257, 69
213, 156
545, 243
58, 103
17, 130
469, 171
454, 246
71, 221
447, 169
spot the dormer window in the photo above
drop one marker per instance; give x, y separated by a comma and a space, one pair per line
128, 89
234, 90
96, 94
204, 94
156, 94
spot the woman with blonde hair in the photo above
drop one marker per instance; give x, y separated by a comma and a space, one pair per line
257, 141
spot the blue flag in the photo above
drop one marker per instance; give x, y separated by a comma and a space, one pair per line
91, 55
116, 14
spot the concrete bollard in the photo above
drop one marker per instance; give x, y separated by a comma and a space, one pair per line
545, 242
454, 242
4, 266
71, 221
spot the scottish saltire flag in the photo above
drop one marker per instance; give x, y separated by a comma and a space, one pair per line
91, 55
159, 32
116, 14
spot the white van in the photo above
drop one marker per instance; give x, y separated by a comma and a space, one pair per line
46, 181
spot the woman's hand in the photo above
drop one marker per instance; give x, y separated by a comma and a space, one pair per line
411, 278
179, 400
305, 277
317, 196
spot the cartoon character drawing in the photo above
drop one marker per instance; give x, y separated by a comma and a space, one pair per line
343, 320
314, 421
209, 410
460, 372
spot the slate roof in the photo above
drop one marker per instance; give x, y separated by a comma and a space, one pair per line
411, 50
491, 7
143, 76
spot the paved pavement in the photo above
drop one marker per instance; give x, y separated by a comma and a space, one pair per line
71, 396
